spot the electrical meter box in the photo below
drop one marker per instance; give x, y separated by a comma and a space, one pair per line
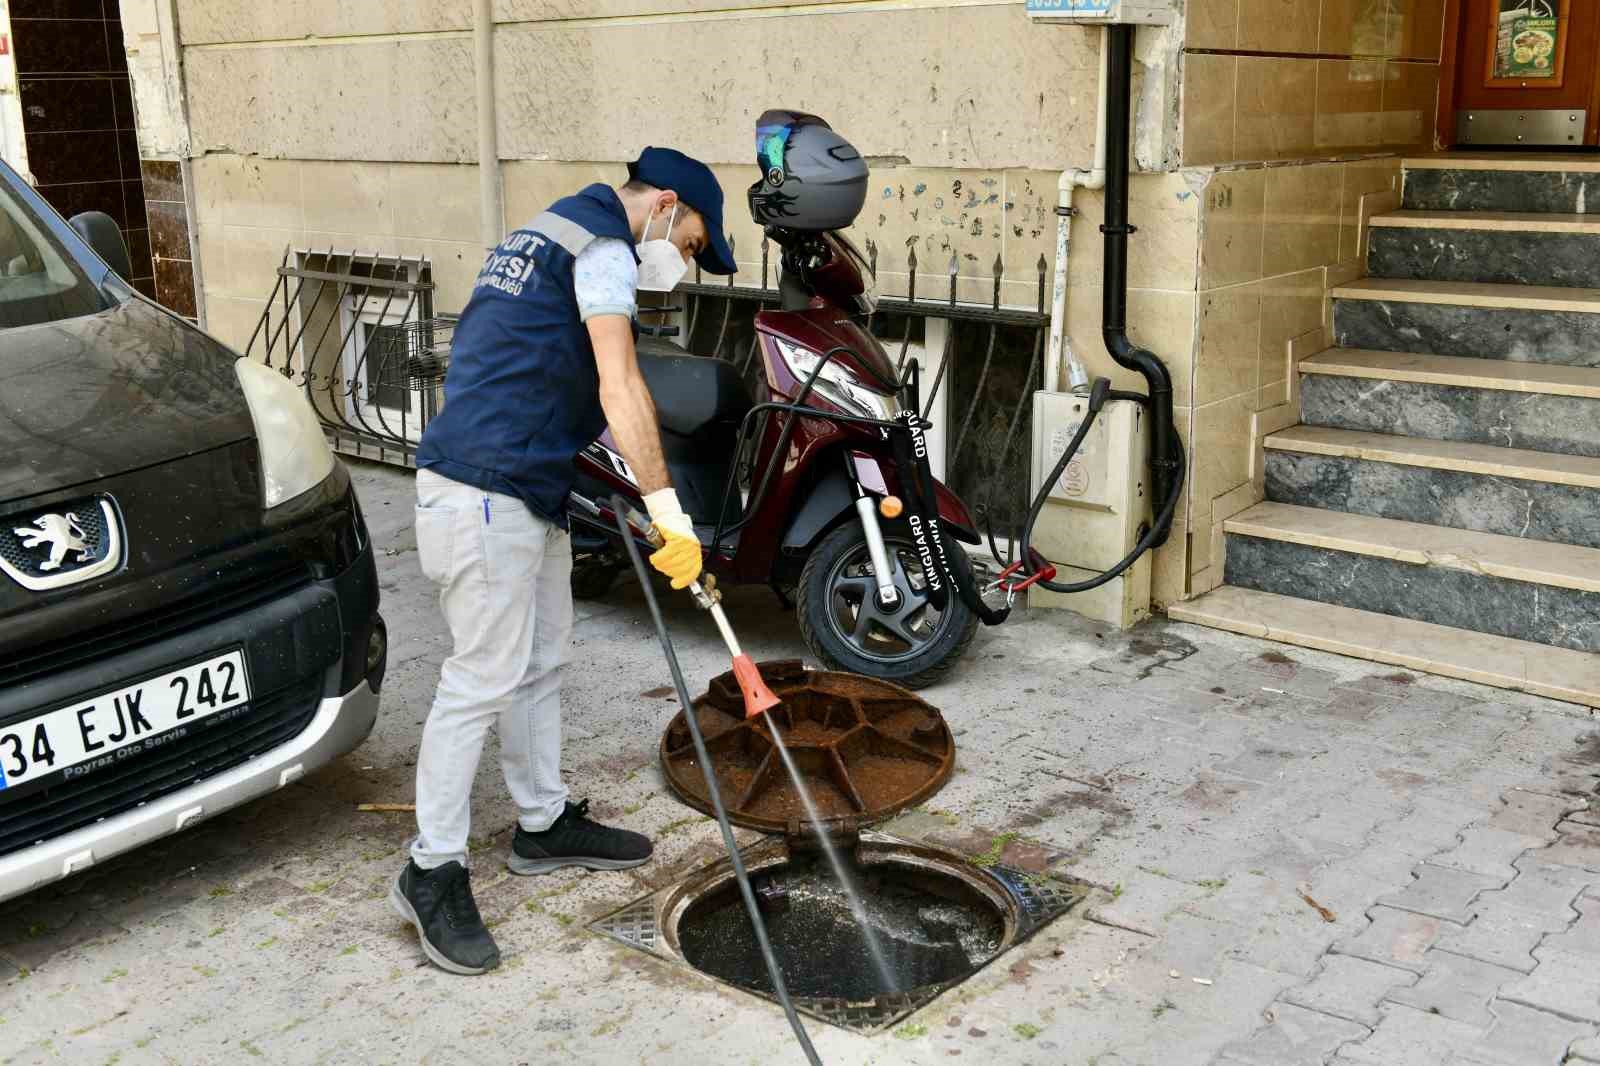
1102, 12
1097, 509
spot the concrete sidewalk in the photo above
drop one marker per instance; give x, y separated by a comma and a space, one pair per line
1302, 859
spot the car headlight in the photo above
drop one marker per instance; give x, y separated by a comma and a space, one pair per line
295, 456
838, 384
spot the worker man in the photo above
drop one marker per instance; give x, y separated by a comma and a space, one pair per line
541, 362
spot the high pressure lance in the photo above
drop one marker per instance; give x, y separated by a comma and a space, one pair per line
758, 698
626, 516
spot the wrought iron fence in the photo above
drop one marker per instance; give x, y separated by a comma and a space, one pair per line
992, 359
359, 334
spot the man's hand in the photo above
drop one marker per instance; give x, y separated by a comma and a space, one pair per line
679, 557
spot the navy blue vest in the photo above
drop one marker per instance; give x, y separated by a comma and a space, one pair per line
522, 395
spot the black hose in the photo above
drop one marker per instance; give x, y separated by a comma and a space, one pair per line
1168, 461
620, 507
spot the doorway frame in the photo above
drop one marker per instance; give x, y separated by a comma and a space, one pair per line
1450, 60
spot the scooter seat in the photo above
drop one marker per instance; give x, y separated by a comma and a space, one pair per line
693, 394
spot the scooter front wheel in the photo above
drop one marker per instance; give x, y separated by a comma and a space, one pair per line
910, 642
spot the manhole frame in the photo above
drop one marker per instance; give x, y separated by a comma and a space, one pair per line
1027, 904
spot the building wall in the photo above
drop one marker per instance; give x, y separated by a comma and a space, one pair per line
77, 114
1265, 129
1294, 117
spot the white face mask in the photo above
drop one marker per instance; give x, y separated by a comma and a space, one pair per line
661, 264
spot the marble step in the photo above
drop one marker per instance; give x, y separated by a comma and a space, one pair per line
1554, 184
1524, 666
1520, 323
1477, 581
1516, 405
1518, 248
1478, 487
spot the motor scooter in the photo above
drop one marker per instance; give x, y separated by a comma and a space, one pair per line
801, 490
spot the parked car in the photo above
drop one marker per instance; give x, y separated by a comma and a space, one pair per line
188, 601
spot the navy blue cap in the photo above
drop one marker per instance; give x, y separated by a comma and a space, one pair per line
692, 180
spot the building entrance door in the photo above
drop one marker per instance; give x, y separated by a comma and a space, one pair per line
1526, 73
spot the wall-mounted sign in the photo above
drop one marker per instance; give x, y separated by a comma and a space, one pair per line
1101, 12
1529, 43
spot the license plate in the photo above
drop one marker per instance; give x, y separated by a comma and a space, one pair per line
97, 731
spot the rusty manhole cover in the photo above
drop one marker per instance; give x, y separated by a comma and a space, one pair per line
867, 749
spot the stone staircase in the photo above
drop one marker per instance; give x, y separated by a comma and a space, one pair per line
1438, 507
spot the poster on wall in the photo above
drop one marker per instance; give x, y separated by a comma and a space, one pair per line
1528, 44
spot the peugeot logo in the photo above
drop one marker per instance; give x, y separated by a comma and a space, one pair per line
62, 546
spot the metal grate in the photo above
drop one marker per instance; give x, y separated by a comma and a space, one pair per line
359, 335
1043, 899
220, 599
211, 748
635, 924
1040, 900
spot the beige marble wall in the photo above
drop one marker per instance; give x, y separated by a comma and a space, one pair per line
1296, 110
1297, 79
1273, 240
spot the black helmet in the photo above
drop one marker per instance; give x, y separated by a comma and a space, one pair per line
811, 178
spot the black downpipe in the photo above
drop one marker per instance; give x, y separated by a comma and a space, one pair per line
1114, 321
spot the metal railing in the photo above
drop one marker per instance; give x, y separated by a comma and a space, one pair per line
358, 334
993, 357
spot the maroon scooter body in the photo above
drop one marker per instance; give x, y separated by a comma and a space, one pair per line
822, 326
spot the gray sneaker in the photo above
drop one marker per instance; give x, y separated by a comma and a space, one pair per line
575, 840
439, 903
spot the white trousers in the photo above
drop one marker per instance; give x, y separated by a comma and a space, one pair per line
505, 587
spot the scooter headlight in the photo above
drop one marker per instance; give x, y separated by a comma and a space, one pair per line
838, 385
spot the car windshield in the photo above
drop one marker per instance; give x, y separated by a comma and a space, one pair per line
39, 281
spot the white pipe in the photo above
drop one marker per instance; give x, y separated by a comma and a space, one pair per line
1060, 350
489, 193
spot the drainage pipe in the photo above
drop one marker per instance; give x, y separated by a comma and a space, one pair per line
1059, 350
1114, 319
489, 193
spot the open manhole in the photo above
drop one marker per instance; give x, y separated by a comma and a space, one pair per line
937, 920
867, 749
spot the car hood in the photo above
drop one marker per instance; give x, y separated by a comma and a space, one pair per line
86, 398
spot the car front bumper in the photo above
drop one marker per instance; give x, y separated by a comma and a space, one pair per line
339, 724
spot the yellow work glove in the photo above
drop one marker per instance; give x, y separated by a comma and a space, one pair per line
679, 556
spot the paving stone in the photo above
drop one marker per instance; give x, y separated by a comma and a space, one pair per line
1532, 813
1441, 891
1145, 900
1563, 984
1350, 988
1345, 821
1490, 851
1577, 845
1395, 938
1589, 815
1522, 1035
1502, 935
1295, 1036
1457, 987
1541, 886
1584, 1049
1582, 937
1433, 824
1407, 1036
